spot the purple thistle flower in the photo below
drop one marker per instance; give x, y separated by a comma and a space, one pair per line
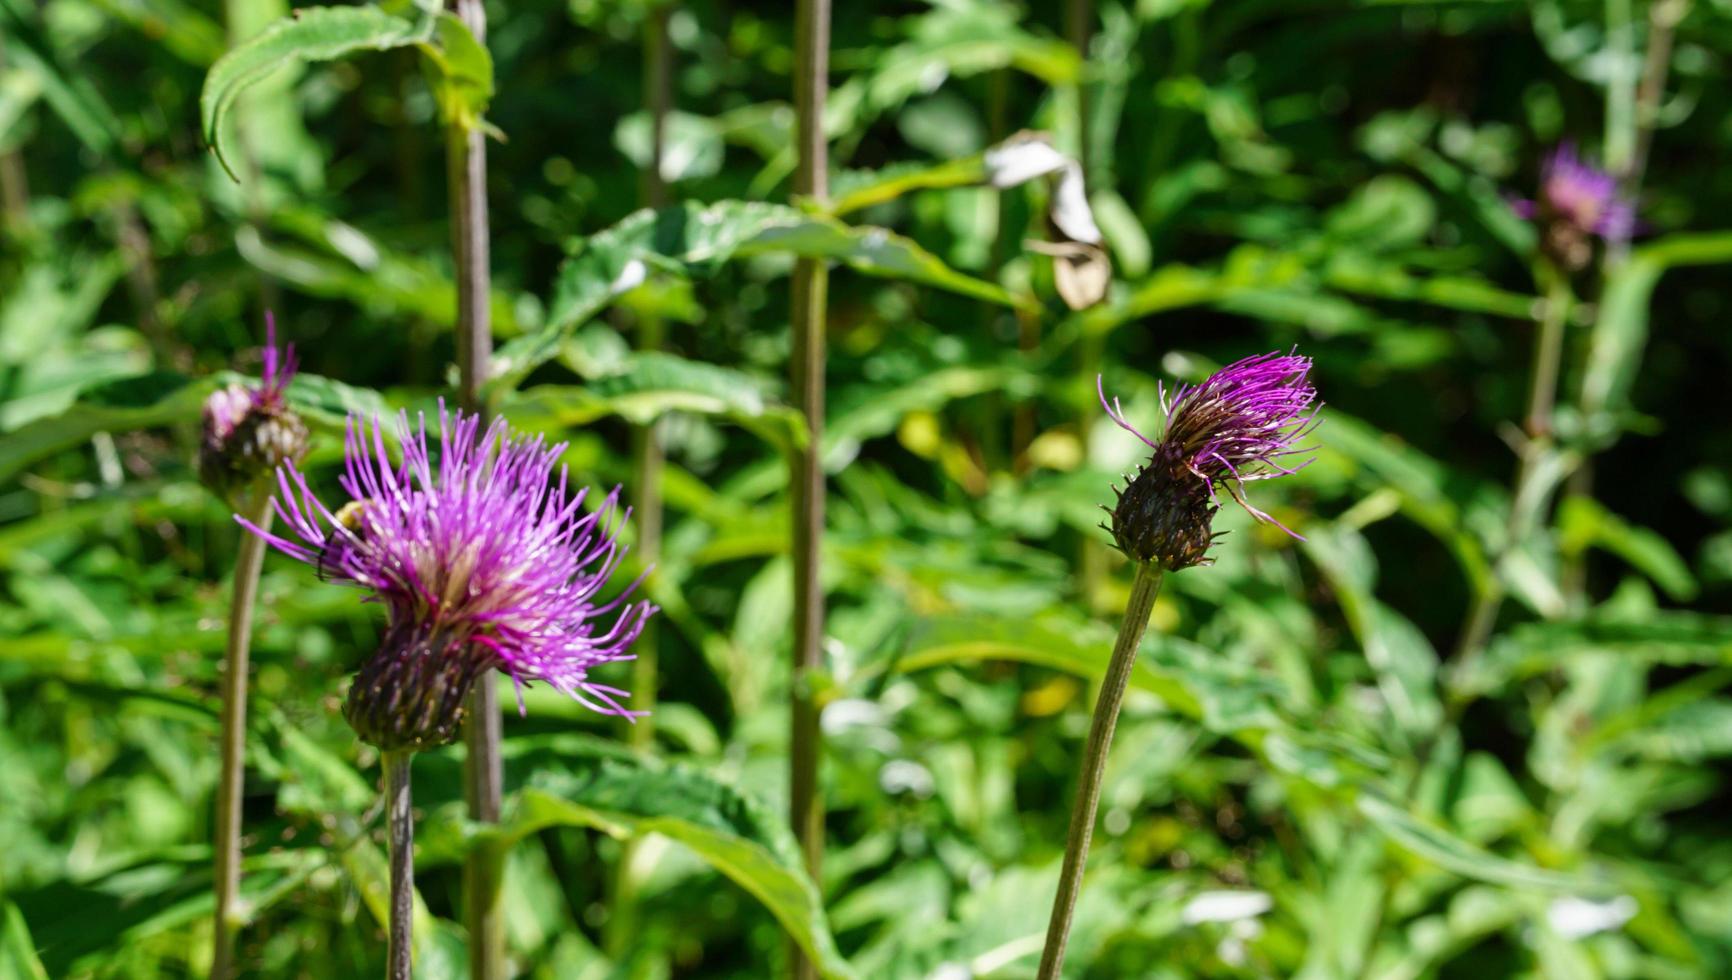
1576, 202
481, 560
249, 430
1239, 425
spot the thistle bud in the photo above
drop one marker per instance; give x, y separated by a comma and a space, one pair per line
1576, 203
250, 431
411, 694
483, 559
1238, 426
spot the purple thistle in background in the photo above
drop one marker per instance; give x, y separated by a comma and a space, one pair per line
482, 561
250, 430
1239, 425
1577, 201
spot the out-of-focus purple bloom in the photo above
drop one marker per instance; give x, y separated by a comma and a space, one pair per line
249, 430
1239, 425
482, 559
1576, 202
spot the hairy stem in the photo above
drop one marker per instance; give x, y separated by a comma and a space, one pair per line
467, 176
231, 780
809, 288
400, 845
1094, 764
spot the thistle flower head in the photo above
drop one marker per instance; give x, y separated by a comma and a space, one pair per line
249, 430
482, 559
1239, 425
1577, 201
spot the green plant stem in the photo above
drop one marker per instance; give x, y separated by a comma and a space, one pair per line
648, 462
1663, 18
231, 780
1542, 399
400, 847
1094, 764
467, 177
809, 290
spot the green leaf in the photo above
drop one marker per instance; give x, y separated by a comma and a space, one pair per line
626, 796
18, 959
312, 34
652, 384
854, 190
118, 406
1584, 523
1621, 330
1658, 637
1437, 498
693, 239
1439, 846
66, 89
1224, 697
1398, 653
1689, 733
463, 82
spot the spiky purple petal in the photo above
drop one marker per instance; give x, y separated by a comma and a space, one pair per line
478, 551
1241, 424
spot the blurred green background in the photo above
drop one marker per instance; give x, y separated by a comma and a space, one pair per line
1267, 173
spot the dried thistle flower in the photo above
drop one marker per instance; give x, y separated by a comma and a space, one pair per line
1239, 425
482, 561
249, 431
1577, 201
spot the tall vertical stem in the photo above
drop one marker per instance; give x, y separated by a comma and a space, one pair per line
647, 454
1094, 764
648, 460
231, 779
467, 175
811, 80
1542, 398
1663, 18
400, 846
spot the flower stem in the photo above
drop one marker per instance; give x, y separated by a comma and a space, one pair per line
1542, 398
400, 828
467, 177
232, 776
809, 288
1094, 764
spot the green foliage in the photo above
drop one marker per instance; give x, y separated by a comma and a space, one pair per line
1310, 778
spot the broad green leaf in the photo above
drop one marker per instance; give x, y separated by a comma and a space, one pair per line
626, 796
118, 406
310, 34
1439, 846
1226, 698
160, 399
652, 384
692, 239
